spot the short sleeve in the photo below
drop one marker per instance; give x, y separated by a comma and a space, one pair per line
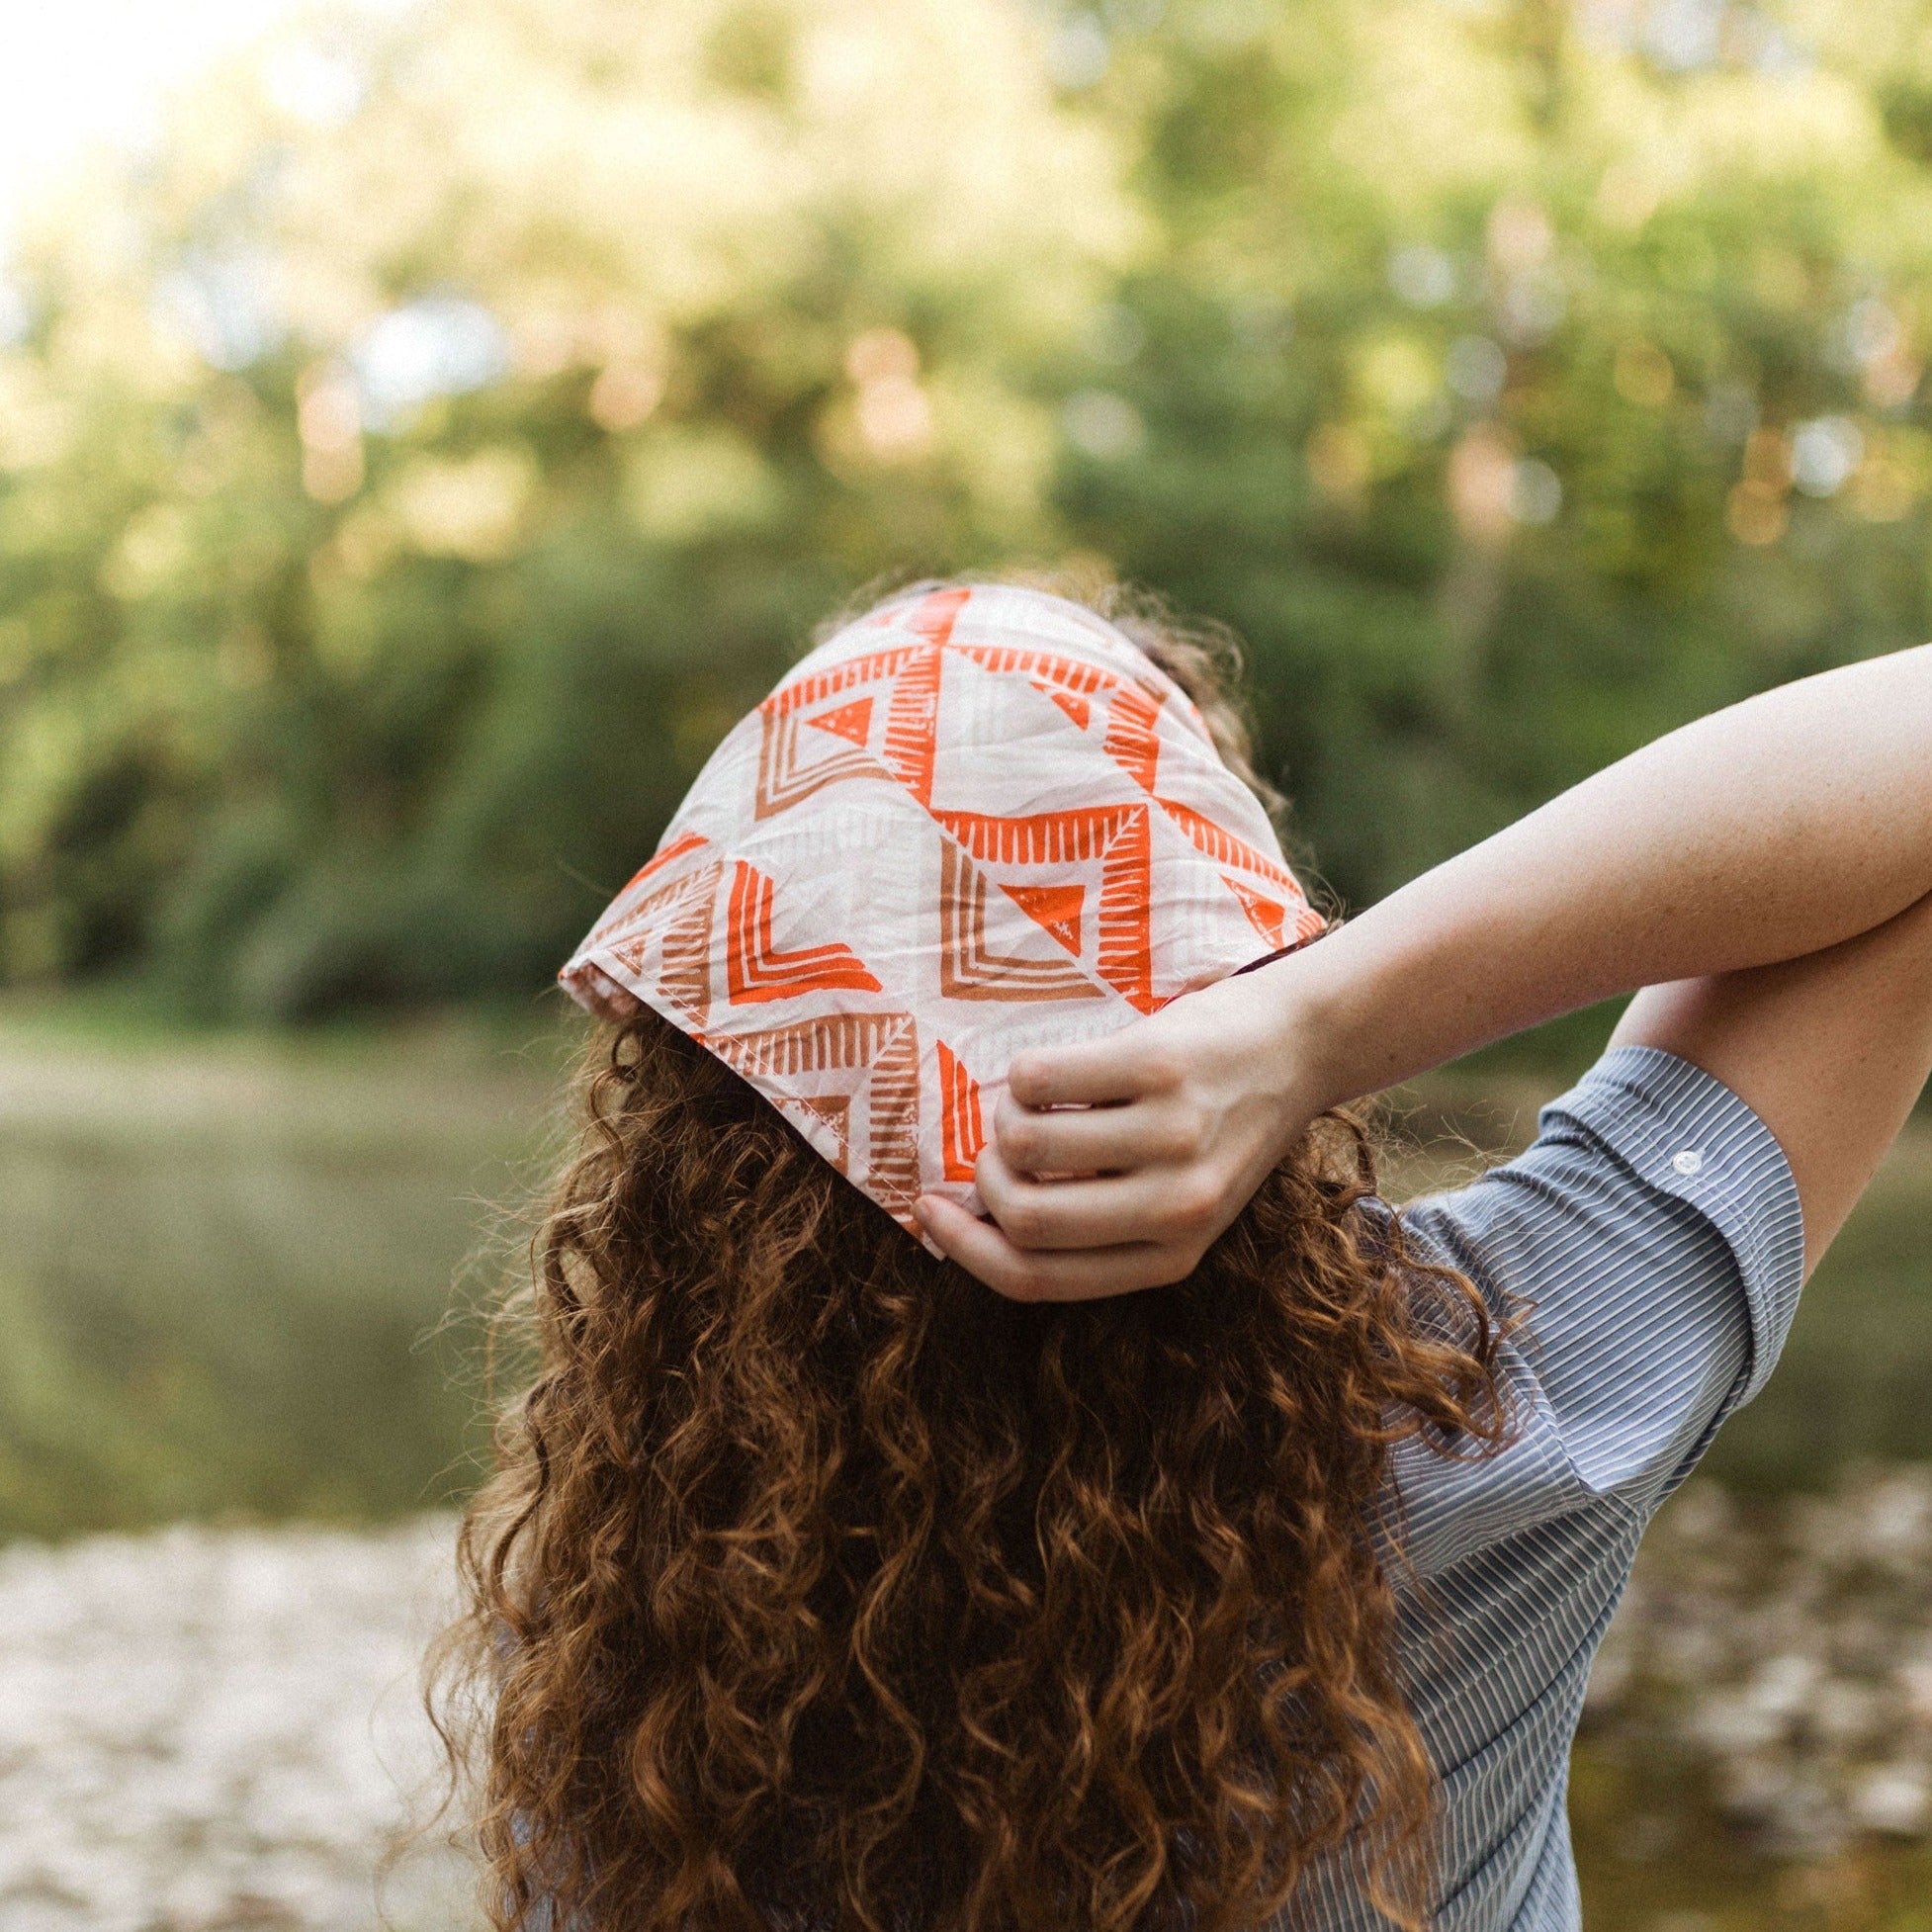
1654, 1231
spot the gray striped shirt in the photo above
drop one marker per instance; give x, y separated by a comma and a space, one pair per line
1655, 1226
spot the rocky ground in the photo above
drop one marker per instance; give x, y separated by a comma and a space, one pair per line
1784, 1653
218, 1730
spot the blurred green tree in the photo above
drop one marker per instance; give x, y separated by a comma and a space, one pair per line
409, 470
407, 476
1521, 380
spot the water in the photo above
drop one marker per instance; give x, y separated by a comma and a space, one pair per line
243, 1278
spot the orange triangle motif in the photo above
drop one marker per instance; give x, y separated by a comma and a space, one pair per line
1055, 908
1075, 708
852, 721
754, 967
1265, 916
831, 1108
959, 1112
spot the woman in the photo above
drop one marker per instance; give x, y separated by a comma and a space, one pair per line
819, 1587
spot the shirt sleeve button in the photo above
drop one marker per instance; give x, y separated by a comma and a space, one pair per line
1686, 1161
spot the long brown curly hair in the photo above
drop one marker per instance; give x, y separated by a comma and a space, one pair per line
819, 1587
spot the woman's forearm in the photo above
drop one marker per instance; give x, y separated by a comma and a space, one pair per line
1771, 829
1766, 833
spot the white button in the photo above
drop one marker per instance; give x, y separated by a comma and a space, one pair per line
1689, 1161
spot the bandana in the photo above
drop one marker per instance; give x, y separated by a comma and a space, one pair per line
976, 820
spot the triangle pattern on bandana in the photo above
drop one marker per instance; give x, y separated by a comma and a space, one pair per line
1268, 917
963, 1131
852, 721
1057, 909
1076, 708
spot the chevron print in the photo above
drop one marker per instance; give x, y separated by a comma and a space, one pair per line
754, 968
675, 922
1217, 843
1132, 738
970, 968
907, 675
1119, 838
852, 1084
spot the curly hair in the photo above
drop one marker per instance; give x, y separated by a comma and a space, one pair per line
819, 1587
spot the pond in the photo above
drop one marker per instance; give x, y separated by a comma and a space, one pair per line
247, 1276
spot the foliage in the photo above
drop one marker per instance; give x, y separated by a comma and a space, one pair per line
409, 470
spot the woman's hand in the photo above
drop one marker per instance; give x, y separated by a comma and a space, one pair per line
1112, 1166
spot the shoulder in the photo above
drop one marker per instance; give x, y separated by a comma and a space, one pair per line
1652, 1244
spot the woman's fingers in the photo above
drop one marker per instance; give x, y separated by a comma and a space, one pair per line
1163, 1206
1124, 1066
1113, 1165
1094, 1139
1019, 1274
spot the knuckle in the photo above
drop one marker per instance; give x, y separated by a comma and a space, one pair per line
1022, 1140
1162, 1067
1026, 1222
1026, 1081
1193, 1203
991, 1178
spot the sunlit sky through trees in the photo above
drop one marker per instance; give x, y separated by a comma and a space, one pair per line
91, 73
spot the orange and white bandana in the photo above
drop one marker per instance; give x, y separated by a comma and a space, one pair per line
976, 820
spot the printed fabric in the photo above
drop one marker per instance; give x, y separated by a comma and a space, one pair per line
978, 819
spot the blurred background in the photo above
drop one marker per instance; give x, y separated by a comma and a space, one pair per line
425, 427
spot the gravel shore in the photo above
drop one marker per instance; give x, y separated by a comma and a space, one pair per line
218, 1730
207, 1729
1783, 1654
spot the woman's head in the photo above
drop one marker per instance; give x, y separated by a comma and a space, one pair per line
976, 819
820, 1586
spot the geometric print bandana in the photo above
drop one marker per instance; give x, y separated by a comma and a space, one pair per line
978, 819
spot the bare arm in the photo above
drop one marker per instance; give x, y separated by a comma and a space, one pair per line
1830, 1050
1763, 870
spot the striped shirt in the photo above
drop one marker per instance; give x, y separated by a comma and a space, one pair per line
1655, 1227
